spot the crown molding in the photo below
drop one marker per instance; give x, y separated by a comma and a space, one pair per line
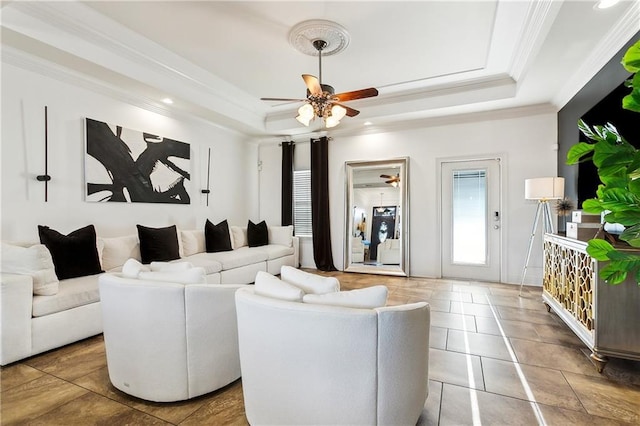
28, 62
77, 29
623, 31
540, 18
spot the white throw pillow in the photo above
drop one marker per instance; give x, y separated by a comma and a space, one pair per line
310, 283
193, 242
363, 298
34, 261
132, 268
118, 250
281, 235
187, 276
239, 236
270, 286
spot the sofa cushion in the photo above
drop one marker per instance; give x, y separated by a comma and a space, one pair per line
270, 286
239, 257
73, 292
34, 261
282, 235
117, 250
217, 237
74, 255
239, 237
204, 260
275, 251
158, 244
257, 234
192, 242
363, 298
310, 283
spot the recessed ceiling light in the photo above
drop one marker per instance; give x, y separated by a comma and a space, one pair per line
605, 4
368, 123
167, 101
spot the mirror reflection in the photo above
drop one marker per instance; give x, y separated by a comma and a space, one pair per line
376, 239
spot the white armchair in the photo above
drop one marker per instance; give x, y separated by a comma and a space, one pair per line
169, 342
389, 252
316, 364
357, 250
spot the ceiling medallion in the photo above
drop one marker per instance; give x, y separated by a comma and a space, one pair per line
302, 36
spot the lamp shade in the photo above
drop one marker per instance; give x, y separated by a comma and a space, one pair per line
547, 188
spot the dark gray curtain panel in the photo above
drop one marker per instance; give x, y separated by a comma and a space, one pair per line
320, 225
286, 217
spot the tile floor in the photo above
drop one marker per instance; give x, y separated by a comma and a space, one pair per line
495, 359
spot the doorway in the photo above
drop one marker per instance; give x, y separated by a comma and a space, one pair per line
471, 230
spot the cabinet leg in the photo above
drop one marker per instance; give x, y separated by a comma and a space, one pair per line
548, 306
599, 361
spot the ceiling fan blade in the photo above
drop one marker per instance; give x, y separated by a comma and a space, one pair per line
283, 99
313, 84
357, 94
386, 176
350, 111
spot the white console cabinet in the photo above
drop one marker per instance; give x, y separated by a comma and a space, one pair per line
605, 317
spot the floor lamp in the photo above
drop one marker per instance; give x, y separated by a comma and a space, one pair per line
542, 190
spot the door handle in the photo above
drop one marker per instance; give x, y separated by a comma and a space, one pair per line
496, 216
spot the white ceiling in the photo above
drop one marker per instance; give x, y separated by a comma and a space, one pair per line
217, 59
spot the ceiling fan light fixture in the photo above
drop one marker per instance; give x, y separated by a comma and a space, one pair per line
338, 112
305, 114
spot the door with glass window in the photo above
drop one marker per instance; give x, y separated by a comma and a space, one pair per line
470, 212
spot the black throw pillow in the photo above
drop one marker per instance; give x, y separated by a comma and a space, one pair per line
257, 234
74, 255
158, 244
216, 237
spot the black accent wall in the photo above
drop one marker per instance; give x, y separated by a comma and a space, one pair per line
598, 102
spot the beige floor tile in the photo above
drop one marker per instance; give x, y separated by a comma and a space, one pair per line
603, 397
533, 303
173, 412
454, 321
471, 309
456, 296
528, 315
35, 398
438, 338
621, 370
71, 362
462, 406
17, 374
565, 417
560, 334
455, 368
431, 413
479, 344
93, 409
553, 356
439, 305
536, 384
224, 406
471, 288
517, 329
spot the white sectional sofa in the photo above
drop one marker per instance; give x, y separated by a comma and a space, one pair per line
32, 324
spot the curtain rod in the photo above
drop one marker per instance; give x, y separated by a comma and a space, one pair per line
303, 142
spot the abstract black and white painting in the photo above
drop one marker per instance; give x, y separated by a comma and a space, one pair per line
129, 166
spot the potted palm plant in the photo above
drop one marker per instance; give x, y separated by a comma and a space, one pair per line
618, 195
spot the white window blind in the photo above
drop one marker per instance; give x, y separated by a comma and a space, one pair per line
302, 202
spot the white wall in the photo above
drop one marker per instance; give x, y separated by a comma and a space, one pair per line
524, 142
24, 95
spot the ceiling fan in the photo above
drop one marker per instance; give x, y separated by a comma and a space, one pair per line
322, 101
392, 180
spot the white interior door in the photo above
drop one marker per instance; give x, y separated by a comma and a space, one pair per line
470, 212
